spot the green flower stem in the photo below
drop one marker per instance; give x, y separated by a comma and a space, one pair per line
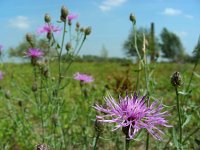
191, 77
135, 42
41, 106
60, 55
179, 116
127, 143
96, 141
147, 141
139, 56
71, 61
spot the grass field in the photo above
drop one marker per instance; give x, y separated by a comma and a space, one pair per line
67, 121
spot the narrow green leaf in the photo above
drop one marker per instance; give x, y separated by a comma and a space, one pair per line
188, 118
197, 75
183, 93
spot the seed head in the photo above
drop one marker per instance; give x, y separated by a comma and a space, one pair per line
64, 13
77, 25
29, 38
98, 126
47, 18
88, 31
176, 79
82, 30
68, 46
49, 35
34, 87
132, 18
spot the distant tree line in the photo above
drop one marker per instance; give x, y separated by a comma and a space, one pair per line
167, 45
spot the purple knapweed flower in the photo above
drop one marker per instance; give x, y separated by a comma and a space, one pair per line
71, 17
48, 29
1, 75
133, 114
83, 77
34, 53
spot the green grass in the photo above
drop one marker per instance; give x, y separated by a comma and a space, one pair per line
77, 115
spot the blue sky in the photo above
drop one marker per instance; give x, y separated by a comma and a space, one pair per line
109, 20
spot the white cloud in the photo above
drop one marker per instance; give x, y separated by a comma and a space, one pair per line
20, 22
172, 12
182, 34
189, 16
107, 5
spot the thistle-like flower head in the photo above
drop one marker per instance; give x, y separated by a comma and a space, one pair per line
132, 114
83, 77
34, 53
48, 28
71, 16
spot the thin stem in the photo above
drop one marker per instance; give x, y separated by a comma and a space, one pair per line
135, 42
127, 142
147, 141
139, 56
179, 115
147, 84
41, 107
96, 141
60, 54
75, 54
138, 78
191, 77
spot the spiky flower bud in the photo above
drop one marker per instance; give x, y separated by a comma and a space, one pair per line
47, 18
43, 147
98, 126
68, 46
7, 94
176, 79
45, 71
82, 29
34, 87
88, 31
29, 38
64, 13
77, 25
132, 18
49, 35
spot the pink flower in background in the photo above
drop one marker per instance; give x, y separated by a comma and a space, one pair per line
48, 28
71, 17
1, 46
132, 114
83, 77
1, 75
34, 53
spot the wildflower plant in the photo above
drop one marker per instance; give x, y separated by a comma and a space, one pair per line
47, 89
45, 109
132, 114
83, 77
